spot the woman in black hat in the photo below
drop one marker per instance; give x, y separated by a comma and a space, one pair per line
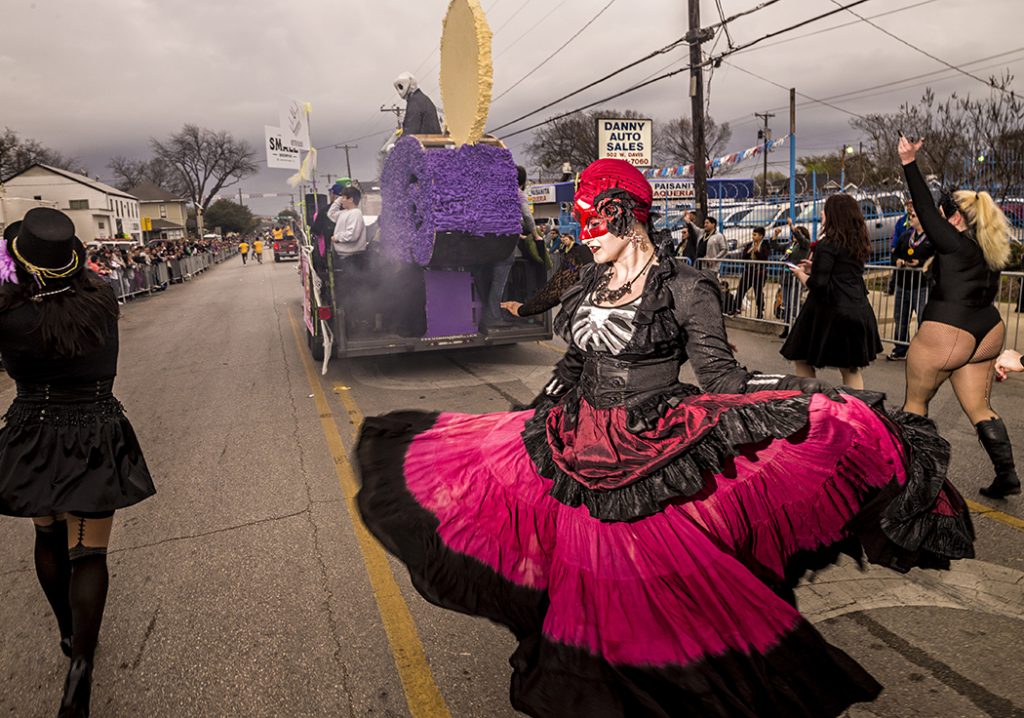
68, 456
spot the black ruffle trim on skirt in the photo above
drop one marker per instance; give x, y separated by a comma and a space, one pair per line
444, 577
58, 457
899, 527
551, 679
683, 476
782, 683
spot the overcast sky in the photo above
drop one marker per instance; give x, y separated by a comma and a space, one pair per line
97, 79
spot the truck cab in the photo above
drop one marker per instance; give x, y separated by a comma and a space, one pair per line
286, 246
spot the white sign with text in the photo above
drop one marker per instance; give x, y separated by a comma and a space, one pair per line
279, 155
672, 189
541, 194
622, 139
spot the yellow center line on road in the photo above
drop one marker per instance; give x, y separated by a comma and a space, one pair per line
996, 515
421, 692
552, 348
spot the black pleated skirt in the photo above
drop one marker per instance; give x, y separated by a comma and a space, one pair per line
69, 449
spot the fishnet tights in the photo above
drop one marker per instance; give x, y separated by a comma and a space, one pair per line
940, 352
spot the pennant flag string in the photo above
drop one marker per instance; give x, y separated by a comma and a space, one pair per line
718, 162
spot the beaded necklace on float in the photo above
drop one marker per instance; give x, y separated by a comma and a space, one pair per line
603, 295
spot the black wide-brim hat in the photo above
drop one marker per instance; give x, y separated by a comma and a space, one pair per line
45, 240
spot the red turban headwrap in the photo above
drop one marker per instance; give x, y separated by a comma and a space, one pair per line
605, 174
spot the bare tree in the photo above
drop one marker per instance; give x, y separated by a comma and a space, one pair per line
205, 161
18, 153
673, 143
571, 139
967, 140
130, 173
996, 126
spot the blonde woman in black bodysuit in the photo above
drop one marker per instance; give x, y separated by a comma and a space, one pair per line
961, 332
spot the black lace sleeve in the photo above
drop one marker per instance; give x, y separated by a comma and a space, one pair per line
551, 294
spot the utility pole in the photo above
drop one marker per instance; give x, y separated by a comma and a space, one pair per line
395, 110
792, 153
844, 150
240, 197
765, 134
348, 165
328, 176
696, 37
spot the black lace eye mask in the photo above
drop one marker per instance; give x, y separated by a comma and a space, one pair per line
616, 207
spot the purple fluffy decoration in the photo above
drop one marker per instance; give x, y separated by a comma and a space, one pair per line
8, 273
470, 190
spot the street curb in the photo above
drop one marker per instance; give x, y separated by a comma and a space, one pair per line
752, 325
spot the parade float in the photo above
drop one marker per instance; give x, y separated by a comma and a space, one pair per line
449, 211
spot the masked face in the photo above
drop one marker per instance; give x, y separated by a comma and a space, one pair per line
592, 225
405, 84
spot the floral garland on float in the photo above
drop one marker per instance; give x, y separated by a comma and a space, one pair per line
450, 201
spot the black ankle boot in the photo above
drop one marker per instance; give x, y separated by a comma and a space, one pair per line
993, 437
77, 690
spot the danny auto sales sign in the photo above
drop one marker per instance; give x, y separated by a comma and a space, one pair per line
622, 139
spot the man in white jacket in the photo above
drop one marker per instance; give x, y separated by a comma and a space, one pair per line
349, 230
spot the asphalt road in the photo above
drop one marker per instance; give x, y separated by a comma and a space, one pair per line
245, 587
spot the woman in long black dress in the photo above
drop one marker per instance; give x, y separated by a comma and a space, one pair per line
836, 326
642, 537
961, 332
68, 456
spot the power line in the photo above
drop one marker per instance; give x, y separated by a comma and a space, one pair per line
790, 28
923, 52
628, 90
667, 48
786, 87
845, 24
725, 25
671, 46
531, 29
860, 93
512, 16
564, 45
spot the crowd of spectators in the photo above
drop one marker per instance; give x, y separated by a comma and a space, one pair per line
107, 260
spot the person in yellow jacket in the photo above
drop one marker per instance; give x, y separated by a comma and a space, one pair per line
243, 248
257, 248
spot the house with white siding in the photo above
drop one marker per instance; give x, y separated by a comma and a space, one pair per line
100, 212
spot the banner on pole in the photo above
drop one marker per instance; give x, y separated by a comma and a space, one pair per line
295, 125
279, 155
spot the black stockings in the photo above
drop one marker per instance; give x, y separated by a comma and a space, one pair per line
53, 569
87, 547
940, 352
71, 562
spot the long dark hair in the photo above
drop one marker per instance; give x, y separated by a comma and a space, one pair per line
72, 322
844, 226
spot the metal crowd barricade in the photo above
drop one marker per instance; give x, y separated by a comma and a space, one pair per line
133, 280
897, 296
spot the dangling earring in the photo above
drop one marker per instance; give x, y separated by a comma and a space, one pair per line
638, 241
